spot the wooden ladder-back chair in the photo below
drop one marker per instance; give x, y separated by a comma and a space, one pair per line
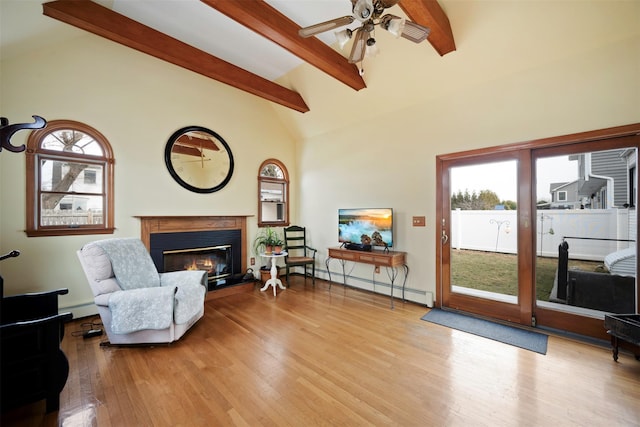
299, 254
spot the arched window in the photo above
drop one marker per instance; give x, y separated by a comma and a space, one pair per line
273, 194
69, 181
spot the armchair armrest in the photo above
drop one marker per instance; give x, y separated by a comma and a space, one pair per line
145, 308
179, 278
313, 250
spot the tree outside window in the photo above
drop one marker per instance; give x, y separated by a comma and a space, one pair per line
69, 181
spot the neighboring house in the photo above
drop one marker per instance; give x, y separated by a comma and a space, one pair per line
564, 195
603, 182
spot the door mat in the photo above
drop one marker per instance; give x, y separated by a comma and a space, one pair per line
529, 340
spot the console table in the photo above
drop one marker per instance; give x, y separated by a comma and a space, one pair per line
391, 260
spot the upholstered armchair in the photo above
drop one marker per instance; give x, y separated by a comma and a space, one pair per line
136, 303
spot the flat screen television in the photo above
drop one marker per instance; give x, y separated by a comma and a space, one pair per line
373, 226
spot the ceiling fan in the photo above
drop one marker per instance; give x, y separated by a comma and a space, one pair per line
370, 14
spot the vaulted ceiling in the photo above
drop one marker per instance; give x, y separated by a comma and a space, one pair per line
276, 21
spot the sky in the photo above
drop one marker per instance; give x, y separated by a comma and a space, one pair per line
501, 177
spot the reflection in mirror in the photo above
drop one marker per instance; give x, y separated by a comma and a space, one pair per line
199, 159
272, 199
273, 193
586, 231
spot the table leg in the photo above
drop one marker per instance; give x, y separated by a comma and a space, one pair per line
392, 277
614, 345
344, 271
326, 263
392, 272
273, 281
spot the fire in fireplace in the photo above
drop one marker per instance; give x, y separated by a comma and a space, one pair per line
216, 260
217, 251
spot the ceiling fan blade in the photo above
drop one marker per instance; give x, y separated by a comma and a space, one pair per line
325, 26
415, 32
359, 46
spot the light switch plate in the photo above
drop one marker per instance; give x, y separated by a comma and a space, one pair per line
419, 221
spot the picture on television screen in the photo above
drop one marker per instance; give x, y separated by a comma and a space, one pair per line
366, 226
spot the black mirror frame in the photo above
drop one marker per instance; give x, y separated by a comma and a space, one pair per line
167, 159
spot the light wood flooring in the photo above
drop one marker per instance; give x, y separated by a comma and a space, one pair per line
310, 357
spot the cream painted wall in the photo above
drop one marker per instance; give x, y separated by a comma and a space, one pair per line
512, 79
522, 70
137, 102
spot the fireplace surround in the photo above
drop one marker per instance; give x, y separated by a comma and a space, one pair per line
196, 235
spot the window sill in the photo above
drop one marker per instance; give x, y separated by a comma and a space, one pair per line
68, 232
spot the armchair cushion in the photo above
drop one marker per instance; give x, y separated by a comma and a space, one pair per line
138, 309
131, 263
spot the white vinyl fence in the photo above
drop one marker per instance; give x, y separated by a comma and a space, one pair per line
70, 217
496, 231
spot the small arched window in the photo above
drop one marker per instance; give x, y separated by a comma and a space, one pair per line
69, 181
273, 194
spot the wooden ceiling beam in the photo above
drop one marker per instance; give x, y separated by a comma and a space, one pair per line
106, 23
273, 25
430, 14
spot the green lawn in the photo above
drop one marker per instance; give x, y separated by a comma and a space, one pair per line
495, 272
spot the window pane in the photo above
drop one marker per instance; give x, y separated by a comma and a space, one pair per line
484, 237
64, 177
586, 247
72, 141
272, 171
71, 210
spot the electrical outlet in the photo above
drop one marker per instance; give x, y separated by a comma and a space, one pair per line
377, 269
253, 261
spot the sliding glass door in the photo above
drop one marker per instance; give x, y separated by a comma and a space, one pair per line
586, 232
479, 236
542, 233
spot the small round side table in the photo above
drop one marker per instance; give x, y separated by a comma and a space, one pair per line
273, 281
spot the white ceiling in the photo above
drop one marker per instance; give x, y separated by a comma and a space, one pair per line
203, 27
24, 27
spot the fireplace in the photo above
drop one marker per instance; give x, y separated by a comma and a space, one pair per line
214, 244
217, 261
217, 251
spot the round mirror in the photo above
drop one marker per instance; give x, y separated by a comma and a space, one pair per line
199, 159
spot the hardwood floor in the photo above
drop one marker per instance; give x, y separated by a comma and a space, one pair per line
313, 357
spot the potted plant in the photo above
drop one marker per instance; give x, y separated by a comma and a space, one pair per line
278, 243
266, 240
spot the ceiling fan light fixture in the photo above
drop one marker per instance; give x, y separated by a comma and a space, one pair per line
372, 48
395, 26
363, 10
343, 36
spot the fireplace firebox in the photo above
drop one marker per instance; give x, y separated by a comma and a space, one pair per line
217, 261
219, 252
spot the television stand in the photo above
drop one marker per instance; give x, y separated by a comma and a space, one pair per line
391, 260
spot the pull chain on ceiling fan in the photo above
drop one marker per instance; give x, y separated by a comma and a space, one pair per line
370, 14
